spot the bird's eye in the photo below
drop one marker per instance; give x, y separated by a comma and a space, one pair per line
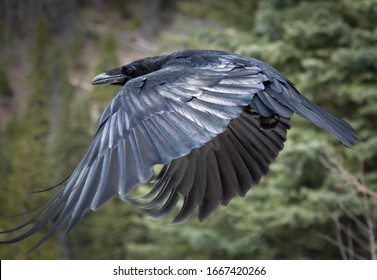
128, 70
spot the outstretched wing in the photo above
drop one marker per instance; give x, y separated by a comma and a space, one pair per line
154, 119
213, 174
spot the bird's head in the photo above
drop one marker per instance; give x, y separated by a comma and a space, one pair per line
120, 76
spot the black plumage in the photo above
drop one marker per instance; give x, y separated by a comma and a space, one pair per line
214, 119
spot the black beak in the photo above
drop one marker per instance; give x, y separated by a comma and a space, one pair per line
113, 77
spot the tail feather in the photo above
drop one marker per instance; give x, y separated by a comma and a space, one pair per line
293, 100
339, 128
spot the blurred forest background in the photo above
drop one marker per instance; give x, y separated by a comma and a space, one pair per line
319, 200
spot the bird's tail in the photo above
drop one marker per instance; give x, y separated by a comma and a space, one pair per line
339, 128
292, 99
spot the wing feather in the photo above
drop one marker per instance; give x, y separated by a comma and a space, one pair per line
227, 166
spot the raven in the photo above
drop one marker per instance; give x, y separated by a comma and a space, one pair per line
215, 121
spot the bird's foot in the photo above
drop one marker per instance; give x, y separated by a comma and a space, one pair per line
269, 123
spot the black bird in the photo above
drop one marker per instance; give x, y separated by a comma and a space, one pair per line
215, 121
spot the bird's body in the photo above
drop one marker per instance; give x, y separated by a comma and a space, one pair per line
214, 119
